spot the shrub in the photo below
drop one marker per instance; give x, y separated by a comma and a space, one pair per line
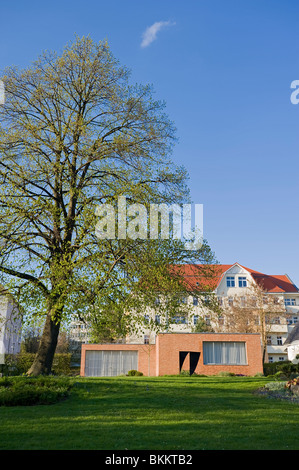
134, 373
275, 386
226, 374
185, 373
285, 368
292, 382
25, 391
18, 364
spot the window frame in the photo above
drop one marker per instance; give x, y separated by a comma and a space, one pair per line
242, 281
230, 281
225, 349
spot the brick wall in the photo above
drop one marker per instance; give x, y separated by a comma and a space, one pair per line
164, 357
170, 345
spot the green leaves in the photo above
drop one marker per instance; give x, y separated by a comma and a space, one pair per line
74, 134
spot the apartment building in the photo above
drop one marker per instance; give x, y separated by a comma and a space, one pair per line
10, 325
246, 298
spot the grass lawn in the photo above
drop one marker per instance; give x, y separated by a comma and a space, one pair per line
159, 413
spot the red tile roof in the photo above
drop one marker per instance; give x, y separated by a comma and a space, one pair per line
208, 277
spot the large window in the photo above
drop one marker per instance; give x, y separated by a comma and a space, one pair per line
179, 319
230, 281
224, 352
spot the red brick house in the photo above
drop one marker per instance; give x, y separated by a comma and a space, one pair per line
202, 353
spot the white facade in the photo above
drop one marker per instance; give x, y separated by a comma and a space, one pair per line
10, 327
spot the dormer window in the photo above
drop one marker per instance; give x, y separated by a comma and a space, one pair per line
230, 281
242, 281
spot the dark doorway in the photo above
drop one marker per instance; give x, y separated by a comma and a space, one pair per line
192, 359
183, 355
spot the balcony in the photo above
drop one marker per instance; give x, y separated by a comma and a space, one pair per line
277, 328
275, 349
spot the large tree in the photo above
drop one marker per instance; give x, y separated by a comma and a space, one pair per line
74, 135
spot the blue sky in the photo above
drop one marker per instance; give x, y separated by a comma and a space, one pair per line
224, 69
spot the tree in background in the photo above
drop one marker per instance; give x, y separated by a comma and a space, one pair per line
74, 135
255, 312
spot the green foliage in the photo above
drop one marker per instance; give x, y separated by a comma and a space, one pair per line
226, 374
76, 134
25, 391
282, 369
18, 364
202, 326
276, 386
134, 373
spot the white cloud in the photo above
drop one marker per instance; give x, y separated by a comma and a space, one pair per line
150, 34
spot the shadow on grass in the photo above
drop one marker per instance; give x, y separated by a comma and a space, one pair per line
155, 413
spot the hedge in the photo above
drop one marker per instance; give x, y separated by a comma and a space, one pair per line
286, 368
26, 391
18, 364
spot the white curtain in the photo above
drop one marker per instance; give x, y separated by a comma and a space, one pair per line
110, 363
224, 352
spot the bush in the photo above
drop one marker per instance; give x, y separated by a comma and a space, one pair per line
292, 382
26, 391
134, 373
226, 374
285, 368
18, 364
275, 386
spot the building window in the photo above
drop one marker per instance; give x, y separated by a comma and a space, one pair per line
243, 301
220, 301
146, 318
195, 319
157, 319
242, 281
230, 301
195, 301
146, 339
230, 281
208, 320
256, 320
271, 359
269, 340
288, 302
275, 320
281, 358
221, 321
179, 319
224, 352
279, 340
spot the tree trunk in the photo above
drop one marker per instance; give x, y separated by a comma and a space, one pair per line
43, 360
